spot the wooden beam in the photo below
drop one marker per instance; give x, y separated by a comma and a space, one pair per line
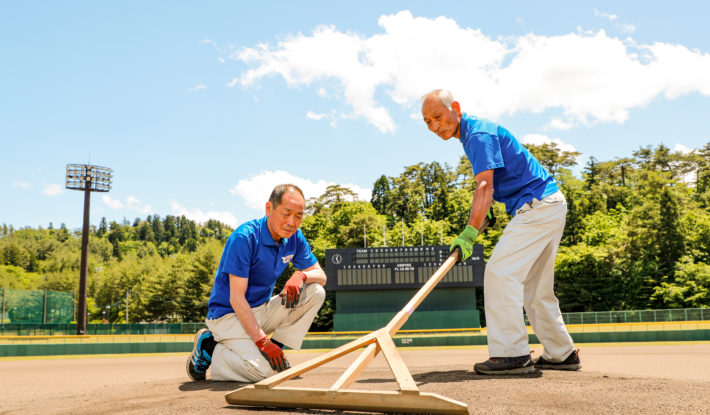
399, 369
352, 400
280, 377
398, 321
356, 368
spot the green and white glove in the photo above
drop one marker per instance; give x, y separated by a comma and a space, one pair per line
464, 243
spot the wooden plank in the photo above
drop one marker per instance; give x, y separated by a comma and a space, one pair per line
399, 368
398, 321
280, 377
353, 400
356, 368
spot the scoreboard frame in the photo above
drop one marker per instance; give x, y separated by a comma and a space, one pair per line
389, 268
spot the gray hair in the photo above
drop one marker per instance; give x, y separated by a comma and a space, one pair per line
278, 193
442, 95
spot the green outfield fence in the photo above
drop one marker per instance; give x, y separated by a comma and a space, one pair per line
636, 316
35, 307
25, 329
603, 317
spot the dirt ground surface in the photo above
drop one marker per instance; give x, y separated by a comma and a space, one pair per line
640, 378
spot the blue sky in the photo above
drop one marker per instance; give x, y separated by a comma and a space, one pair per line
201, 108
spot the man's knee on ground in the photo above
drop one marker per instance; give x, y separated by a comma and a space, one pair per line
258, 370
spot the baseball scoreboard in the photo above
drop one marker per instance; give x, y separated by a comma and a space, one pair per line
398, 268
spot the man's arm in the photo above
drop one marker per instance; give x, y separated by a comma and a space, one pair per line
315, 274
482, 199
291, 292
238, 300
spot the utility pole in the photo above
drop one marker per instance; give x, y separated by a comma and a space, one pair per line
402, 231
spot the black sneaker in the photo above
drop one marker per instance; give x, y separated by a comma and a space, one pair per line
571, 363
505, 366
199, 359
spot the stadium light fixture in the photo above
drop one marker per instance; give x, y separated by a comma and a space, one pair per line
88, 178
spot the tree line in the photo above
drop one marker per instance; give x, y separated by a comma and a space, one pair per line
637, 237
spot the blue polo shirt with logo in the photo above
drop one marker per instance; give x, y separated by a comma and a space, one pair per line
517, 176
250, 252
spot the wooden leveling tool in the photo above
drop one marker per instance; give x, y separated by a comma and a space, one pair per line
407, 399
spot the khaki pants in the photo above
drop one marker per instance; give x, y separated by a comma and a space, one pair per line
520, 273
237, 358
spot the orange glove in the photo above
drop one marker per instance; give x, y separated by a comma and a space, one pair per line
292, 289
273, 354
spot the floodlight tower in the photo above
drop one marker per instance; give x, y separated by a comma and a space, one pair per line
89, 179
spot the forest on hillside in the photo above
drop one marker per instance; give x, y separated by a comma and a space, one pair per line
637, 237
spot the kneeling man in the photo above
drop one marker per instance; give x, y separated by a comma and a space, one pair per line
247, 327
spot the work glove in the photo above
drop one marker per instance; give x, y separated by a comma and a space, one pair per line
464, 243
292, 290
273, 354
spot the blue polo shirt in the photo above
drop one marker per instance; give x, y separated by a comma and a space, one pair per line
250, 252
517, 176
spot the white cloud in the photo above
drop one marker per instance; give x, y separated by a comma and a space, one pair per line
680, 148
256, 189
199, 216
559, 124
214, 44
112, 203
313, 116
131, 203
233, 82
590, 77
611, 17
625, 27
538, 139
52, 190
333, 117
18, 183
197, 88
628, 28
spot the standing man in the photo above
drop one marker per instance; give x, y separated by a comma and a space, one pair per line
520, 271
247, 327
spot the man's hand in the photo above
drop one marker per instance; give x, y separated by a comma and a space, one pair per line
292, 289
464, 243
273, 354
489, 221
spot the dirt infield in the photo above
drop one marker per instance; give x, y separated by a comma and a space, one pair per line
615, 379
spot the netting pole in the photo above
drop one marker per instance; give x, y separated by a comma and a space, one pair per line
2, 315
44, 308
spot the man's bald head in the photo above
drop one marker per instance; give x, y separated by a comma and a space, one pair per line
445, 97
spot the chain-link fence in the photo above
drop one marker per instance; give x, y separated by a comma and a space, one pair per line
21, 329
35, 307
636, 316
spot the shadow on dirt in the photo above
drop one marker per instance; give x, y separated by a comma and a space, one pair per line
452, 376
211, 385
